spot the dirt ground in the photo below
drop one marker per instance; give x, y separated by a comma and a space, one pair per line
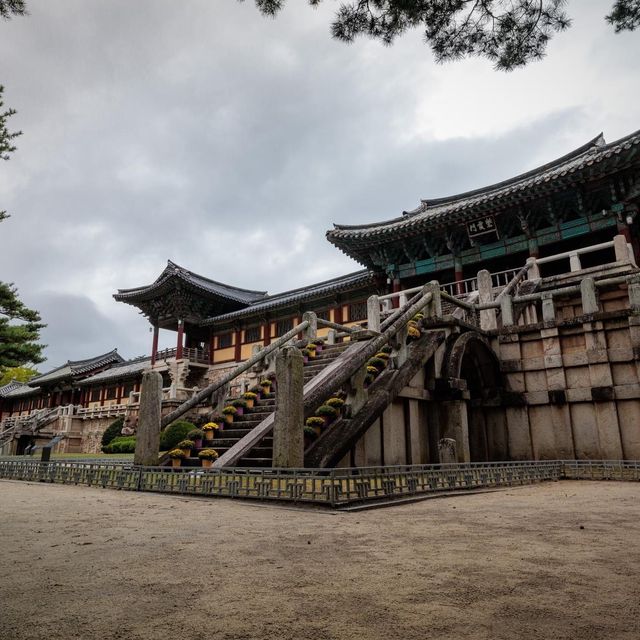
557, 560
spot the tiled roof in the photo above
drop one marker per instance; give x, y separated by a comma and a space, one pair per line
303, 294
75, 368
19, 391
173, 273
12, 386
594, 157
130, 368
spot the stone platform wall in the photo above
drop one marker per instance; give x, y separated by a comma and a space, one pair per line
571, 390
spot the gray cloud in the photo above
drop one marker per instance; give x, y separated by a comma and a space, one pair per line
229, 143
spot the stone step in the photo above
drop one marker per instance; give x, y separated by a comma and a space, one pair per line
255, 462
236, 433
251, 417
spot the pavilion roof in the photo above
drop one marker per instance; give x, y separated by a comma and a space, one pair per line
295, 296
77, 368
128, 369
173, 273
180, 293
591, 160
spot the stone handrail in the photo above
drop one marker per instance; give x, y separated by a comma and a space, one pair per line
343, 369
241, 368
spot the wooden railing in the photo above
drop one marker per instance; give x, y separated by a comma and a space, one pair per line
188, 353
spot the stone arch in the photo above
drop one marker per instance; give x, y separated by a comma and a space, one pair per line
471, 364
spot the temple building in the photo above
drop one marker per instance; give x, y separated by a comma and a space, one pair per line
584, 198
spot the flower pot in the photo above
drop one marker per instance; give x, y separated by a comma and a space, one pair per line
197, 444
228, 418
175, 462
206, 464
187, 453
208, 435
250, 402
318, 430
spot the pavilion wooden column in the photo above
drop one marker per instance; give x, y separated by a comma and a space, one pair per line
458, 275
154, 344
211, 345
396, 286
180, 343
237, 350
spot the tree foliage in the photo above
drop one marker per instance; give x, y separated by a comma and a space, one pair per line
510, 33
20, 374
10, 8
6, 137
19, 330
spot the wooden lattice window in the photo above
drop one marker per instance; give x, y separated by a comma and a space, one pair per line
283, 326
323, 315
252, 334
357, 311
111, 393
224, 341
95, 395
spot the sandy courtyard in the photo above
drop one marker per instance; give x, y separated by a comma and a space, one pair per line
88, 563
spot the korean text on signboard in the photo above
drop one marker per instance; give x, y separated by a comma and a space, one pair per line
481, 226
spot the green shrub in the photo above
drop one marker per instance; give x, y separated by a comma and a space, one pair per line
111, 432
174, 433
122, 444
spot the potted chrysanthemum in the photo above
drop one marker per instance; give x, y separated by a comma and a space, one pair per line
209, 430
207, 457
176, 455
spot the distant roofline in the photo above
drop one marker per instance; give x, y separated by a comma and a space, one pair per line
291, 296
76, 364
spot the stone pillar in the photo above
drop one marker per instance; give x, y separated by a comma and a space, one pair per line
589, 295
154, 344
288, 433
548, 308
534, 269
506, 310
488, 318
434, 308
457, 427
179, 345
311, 332
621, 247
574, 262
373, 314
148, 433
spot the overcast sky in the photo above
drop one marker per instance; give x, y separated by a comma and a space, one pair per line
204, 133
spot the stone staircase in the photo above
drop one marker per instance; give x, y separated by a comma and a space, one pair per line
262, 454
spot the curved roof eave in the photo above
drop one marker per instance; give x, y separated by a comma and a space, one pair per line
174, 271
431, 210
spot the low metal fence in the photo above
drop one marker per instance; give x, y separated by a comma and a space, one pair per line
601, 470
331, 487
